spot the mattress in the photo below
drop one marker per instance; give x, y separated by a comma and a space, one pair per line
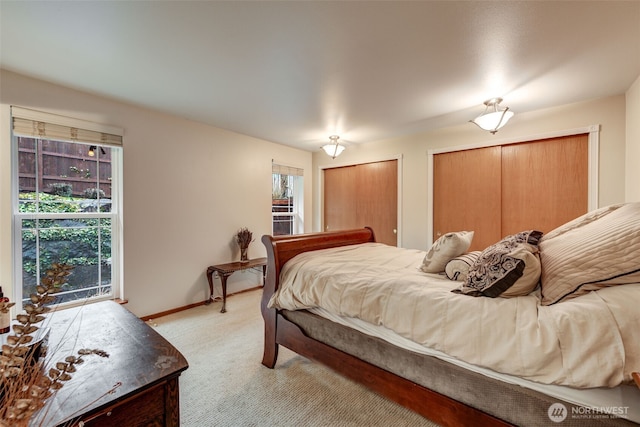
604, 403
586, 342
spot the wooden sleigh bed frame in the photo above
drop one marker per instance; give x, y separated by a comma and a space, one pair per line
436, 406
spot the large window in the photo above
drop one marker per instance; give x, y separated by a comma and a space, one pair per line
287, 200
67, 183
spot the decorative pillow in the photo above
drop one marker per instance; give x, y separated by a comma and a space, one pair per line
458, 267
446, 247
508, 268
581, 221
591, 254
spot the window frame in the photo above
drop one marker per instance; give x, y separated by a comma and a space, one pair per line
114, 215
295, 210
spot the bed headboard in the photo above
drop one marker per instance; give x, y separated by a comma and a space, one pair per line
281, 249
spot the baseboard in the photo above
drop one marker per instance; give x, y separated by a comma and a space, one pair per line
187, 307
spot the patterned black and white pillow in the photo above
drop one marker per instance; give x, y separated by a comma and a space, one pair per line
508, 268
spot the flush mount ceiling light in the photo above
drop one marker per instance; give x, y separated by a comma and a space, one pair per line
493, 118
333, 149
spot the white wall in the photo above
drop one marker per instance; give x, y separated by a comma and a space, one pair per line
632, 181
188, 188
609, 113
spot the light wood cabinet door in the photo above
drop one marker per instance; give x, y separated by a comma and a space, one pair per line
364, 195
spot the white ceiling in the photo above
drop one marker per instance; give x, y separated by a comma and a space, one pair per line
295, 72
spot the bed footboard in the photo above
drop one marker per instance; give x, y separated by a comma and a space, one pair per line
281, 249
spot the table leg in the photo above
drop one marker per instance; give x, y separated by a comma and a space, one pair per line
223, 280
210, 278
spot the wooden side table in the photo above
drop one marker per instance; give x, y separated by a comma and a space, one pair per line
225, 270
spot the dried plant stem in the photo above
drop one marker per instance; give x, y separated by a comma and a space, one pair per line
25, 383
244, 237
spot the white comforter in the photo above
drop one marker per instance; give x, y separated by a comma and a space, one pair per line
589, 341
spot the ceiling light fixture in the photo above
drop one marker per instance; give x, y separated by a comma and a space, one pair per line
493, 119
334, 148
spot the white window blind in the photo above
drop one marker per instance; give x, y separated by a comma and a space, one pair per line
287, 170
38, 124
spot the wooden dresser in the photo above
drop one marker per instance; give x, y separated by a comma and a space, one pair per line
142, 370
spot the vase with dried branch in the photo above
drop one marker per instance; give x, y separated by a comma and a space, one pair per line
28, 378
244, 237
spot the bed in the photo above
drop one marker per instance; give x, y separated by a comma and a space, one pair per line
561, 367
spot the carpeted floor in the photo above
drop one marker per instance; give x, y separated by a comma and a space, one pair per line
226, 385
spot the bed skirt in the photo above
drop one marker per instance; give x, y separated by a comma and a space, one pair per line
512, 403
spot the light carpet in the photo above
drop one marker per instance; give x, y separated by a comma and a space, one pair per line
226, 384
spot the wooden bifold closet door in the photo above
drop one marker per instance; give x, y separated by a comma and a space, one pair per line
501, 190
363, 195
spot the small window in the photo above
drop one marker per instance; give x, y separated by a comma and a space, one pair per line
287, 200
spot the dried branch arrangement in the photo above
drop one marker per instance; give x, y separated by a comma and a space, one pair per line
28, 379
244, 237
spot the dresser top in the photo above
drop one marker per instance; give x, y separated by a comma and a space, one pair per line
139, 357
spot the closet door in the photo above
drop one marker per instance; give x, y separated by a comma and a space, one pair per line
377, 199
502, 190
363, 195
339, 199
467, 194
544, 183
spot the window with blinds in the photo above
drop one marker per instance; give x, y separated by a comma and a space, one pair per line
67, 206
287, 200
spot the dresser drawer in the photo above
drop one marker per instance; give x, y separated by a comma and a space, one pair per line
144, 409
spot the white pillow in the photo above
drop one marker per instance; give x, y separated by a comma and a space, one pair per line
457, 268
581, 221
444, 249
590, 254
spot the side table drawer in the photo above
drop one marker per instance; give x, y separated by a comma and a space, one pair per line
144, 409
